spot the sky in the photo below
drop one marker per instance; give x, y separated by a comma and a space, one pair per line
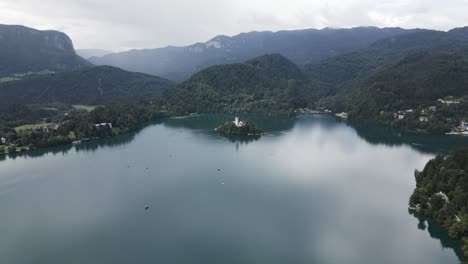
118, 25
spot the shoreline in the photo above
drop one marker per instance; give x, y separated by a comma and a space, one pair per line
25, 149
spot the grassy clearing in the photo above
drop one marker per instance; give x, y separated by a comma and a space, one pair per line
23, 148
71, 135
8, 79
88, 108
30, 126
49, 108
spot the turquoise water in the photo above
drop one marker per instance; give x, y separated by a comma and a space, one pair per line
314, 190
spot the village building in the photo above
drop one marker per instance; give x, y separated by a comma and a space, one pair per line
449, 101
3, 140
423, 119
103, 125
463, 126
398, 116
53, 126
444, 196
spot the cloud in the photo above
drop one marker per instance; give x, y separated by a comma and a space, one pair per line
121, 25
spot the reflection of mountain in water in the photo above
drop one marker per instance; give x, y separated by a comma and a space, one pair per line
210, 121
424, 142
88, 146
438, 232
240, 140
94, 145
373, 134
39, 152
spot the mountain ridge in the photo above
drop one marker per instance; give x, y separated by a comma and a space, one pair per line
24, 49
300, 46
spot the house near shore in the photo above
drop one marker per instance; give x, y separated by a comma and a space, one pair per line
3, 140
102, 125
53, 126
449, 101
398, 116
463, 126
443, 196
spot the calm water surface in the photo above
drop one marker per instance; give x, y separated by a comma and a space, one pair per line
312, 191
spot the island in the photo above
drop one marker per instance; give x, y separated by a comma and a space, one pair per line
442, 193
239, 127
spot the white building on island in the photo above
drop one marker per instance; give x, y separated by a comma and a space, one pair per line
239, 123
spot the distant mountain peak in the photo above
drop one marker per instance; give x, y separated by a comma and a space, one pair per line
300, 46
24, 49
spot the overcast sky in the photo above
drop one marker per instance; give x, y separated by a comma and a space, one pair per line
120, 25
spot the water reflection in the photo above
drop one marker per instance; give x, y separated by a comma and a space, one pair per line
95, 145
209, 122
309, 192
423, 142
438, 232
203, 125
241, 140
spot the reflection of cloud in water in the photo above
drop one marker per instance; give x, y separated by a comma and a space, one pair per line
203, 125
298, 195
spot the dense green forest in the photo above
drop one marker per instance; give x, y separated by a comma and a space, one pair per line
415, 83
90, 86
268, 85
406, 72
77, 125
442, 193
13, 114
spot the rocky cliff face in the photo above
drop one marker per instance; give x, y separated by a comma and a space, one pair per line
25, 49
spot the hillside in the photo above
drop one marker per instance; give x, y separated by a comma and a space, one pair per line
341, 74
417, 82
410, 71
300, 46
93, 86
442, 193
25, 50
270, 85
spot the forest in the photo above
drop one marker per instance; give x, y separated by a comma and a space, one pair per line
442, 193
77, 125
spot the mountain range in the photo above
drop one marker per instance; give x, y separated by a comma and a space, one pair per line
370, 73
299, 46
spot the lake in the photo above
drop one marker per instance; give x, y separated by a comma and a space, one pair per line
314, 190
